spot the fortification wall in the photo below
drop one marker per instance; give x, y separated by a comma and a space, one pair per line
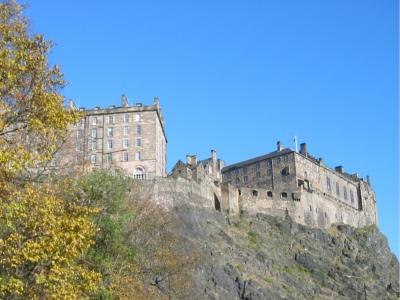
313, 209
171, 192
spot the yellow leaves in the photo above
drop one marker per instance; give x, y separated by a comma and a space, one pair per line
46, 237
43, 236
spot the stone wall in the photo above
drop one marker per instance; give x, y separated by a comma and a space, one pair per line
313, 209
171, 192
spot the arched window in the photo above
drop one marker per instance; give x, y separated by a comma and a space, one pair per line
139, 174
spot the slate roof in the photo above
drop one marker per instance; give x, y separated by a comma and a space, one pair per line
257, 159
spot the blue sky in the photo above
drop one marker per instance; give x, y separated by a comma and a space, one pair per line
239, 75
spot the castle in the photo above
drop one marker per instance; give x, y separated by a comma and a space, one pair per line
283, 182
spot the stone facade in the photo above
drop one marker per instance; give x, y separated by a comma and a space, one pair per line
283, 182
287, 182
128, 137
199, 170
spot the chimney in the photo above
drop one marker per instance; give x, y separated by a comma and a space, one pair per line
214, 155
156, 103
214, 161
369, 180
339, 169
124, 101
71, 105
279, 146
191, 160
303, 149
321, 161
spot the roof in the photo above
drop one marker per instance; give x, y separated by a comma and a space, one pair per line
257, 159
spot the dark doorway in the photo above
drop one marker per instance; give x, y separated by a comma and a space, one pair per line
217, 204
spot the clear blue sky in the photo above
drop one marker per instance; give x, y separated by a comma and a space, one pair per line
239, 75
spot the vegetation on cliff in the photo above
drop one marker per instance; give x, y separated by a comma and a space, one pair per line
69, 236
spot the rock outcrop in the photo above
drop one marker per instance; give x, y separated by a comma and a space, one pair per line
265, 257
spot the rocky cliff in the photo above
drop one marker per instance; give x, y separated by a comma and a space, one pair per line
265, 257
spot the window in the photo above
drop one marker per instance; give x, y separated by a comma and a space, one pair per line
79, 147
278, 160
110, 131
257, 166
269, 194
138, 118
269, 164
80, 122
286, 157
126, 118
245, 179
337, 189
138, 142
94, 132
110, 144
139, 174
245, 170
110, 120
94, 120
137, 155
138, 129
94, 145
269, 172
351, 196
126, 131
79, 133
283, 195
345, 193
255, 193
93, 158
285, 171
258, 174
237, 171
125, 156
237, 180
109, 157
328, 183
125, 143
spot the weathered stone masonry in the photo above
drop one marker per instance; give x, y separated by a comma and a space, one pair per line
287, 182
282, 182
129, 137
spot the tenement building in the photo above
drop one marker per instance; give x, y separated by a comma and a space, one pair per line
287, 182
130, 137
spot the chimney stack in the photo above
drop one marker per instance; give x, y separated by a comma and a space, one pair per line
369, 180
214, 155
71, 105
339, 169
214, 162
303, 149
191, 160
124, 101
156, 103
321, 161
279, 146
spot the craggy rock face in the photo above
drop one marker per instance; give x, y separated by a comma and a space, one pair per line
264, 257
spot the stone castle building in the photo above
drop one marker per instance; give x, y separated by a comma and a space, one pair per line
287, 182
199, 170
131, 137
283, 182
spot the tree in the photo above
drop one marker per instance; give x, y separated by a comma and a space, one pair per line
138, 249
33, 120
44, 233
